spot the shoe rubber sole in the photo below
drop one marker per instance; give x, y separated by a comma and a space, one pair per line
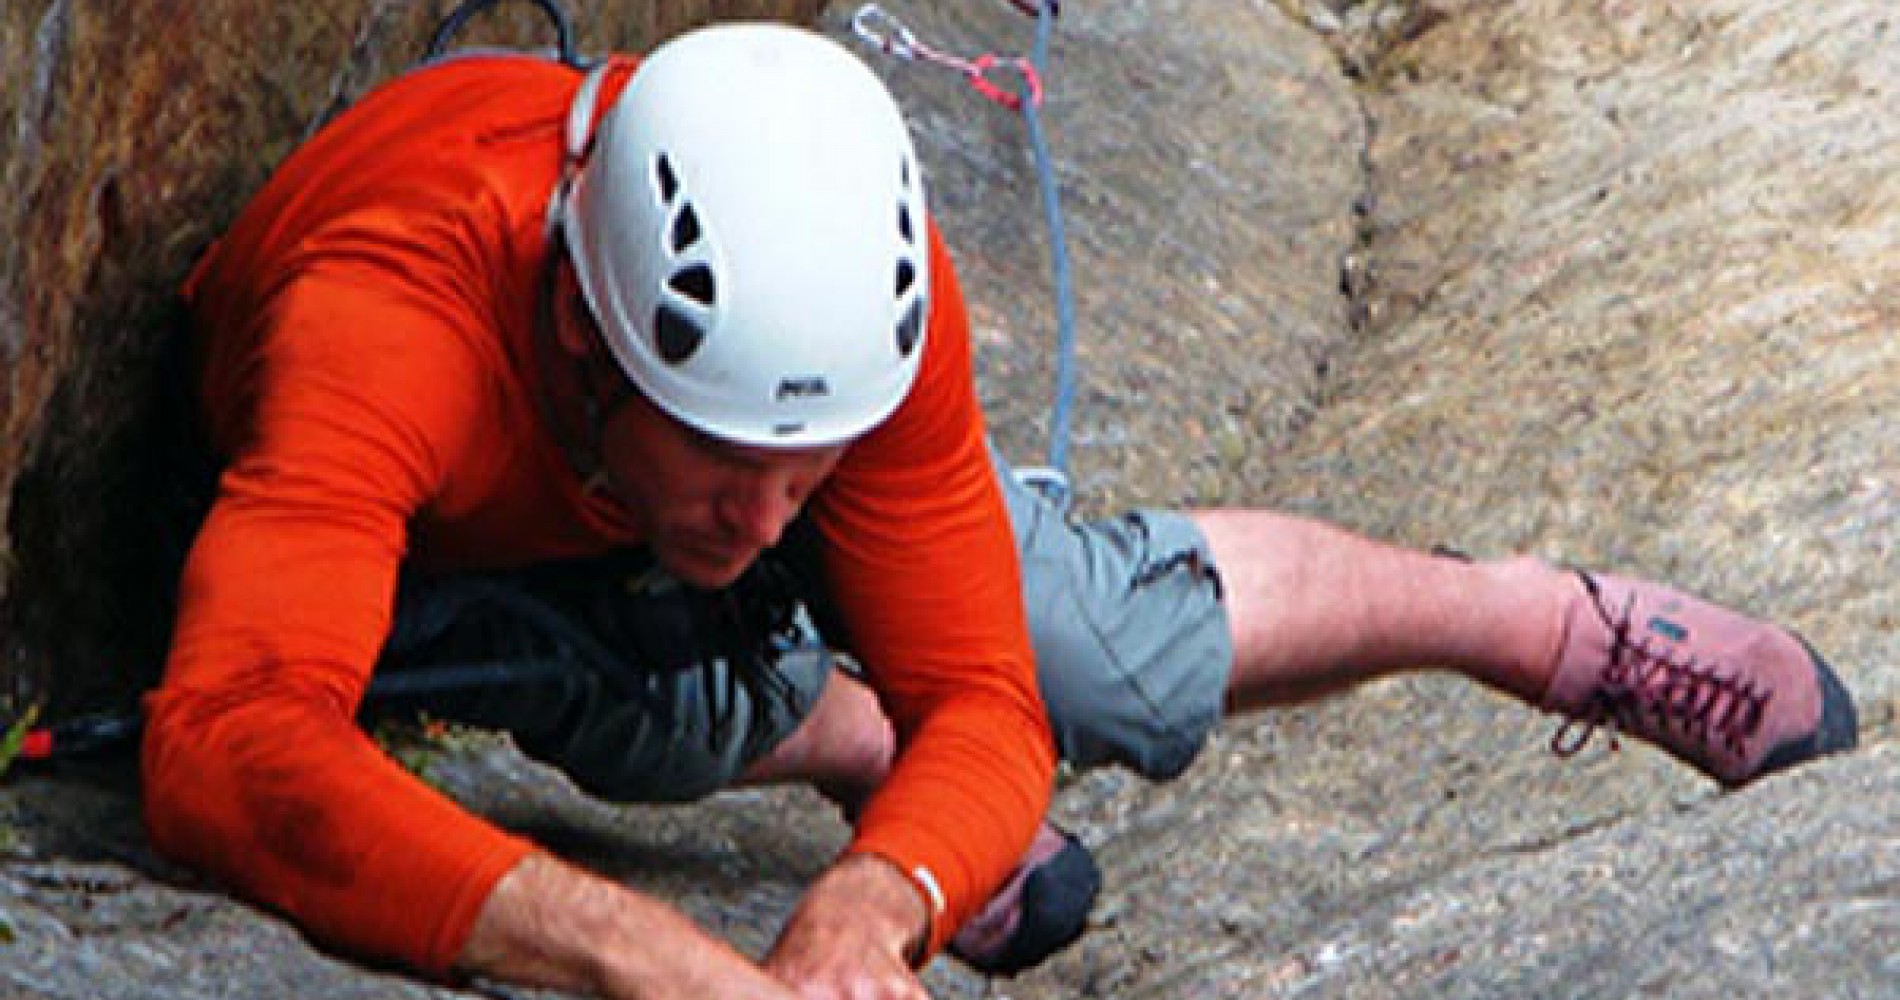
1837, 730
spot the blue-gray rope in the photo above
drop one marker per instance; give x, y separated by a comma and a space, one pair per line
885, 32
1064, 403
463, 12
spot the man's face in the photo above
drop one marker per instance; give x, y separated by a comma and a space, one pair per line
708, 507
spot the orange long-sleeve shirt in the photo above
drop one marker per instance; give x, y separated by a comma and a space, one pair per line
367, 368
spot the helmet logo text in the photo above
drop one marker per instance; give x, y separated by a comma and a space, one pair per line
802, 387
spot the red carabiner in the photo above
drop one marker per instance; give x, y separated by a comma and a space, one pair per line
979, 79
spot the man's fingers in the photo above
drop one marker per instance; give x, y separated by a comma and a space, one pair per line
848, 938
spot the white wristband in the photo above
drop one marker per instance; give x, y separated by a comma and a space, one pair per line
924, 878
926, 882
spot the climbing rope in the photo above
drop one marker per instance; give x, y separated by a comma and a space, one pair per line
563, 30
885, 32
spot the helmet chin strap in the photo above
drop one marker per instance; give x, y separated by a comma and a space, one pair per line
578, 430
577, 141
580, 444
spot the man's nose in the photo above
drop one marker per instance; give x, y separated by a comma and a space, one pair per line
757, 508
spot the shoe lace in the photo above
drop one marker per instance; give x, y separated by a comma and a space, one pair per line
1643, 674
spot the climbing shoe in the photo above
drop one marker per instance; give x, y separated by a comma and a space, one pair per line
1735, 697
1041, 908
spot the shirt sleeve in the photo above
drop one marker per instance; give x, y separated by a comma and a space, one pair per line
351, 407
923, 568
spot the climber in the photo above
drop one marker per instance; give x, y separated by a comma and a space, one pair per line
660, 372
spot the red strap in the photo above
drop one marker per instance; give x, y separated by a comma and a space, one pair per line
1013, 100
38, 745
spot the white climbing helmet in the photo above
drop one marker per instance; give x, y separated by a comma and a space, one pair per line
750, 233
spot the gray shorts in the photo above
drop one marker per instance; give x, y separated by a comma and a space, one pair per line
1132, 650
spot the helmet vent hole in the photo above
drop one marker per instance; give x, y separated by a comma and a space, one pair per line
669, 182
906, 276
904, 228
685, 229
910, 329
695, 283
675, 334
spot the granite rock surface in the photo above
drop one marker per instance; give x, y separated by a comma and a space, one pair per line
1609, 282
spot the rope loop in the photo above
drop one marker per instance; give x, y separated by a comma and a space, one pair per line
978, 75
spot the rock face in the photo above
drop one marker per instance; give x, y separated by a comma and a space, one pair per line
1629, 267
1610, 282
1208, 162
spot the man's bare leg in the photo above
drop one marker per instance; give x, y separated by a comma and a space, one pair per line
844, 747
1314, 609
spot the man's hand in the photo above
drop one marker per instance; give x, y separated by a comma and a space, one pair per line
548, 924
850, 936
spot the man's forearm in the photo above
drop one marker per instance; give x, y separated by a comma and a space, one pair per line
549, 924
